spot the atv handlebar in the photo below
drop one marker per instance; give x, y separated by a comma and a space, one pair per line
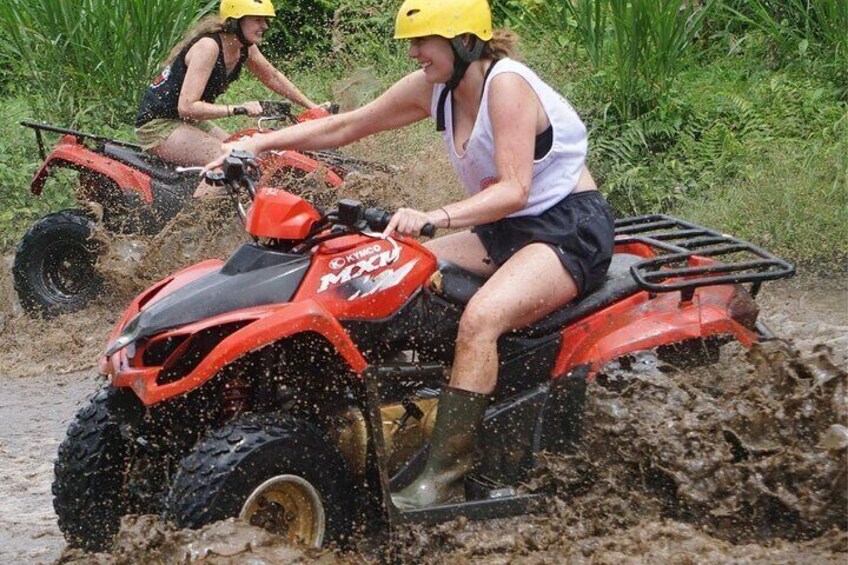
238, 171
276, 110
377, 219
241, 171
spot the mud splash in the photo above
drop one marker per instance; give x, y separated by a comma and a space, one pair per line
146, 540
744, 460
130, 263
746, 456
678, 465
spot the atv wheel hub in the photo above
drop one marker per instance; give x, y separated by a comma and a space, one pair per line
287, 505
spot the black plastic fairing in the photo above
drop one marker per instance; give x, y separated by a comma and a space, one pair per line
253, 276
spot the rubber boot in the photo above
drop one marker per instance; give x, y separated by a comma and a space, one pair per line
453, 450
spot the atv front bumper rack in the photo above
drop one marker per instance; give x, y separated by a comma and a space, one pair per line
689, 256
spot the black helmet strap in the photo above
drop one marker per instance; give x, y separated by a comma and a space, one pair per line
233, 25
463, 56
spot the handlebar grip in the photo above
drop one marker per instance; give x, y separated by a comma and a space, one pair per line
378, 219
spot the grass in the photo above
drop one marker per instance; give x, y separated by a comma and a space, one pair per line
71, 55
636, 47
19, 159
790, 197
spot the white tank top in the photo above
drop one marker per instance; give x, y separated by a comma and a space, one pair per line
554, 176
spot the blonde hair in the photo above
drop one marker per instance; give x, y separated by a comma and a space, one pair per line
209, 24
504, 43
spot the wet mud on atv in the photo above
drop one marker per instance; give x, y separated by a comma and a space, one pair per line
126, 190
296, 384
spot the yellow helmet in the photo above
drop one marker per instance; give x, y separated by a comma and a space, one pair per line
447, 18
237, 9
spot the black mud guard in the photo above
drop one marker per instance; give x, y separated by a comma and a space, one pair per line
560, 422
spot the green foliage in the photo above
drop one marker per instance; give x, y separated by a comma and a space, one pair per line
800, 29
72, 55
636, 47
363, 30
732, 125
18, 161
300, 29
762, 156
790, 196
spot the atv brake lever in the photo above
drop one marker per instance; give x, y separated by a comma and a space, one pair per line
189, 169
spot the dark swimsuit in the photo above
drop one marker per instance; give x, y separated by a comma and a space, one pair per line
161, 99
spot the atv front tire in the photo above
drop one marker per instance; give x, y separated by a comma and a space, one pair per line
90, 470
55, 264
274, 472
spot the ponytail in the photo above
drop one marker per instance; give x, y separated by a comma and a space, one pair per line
210, 24
504, 43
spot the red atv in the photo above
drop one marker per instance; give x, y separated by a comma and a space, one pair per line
55, 262
295, 385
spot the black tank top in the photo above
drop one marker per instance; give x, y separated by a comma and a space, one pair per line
162, 96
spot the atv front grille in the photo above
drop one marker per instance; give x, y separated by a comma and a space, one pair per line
688, 256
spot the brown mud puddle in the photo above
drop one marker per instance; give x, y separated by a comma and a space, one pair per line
744, 460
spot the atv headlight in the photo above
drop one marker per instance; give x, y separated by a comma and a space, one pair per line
128, 335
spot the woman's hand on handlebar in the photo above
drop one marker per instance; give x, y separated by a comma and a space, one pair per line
408, 221
254, 108
249, 145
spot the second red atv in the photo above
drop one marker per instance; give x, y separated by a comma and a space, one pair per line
135, 192
295, 385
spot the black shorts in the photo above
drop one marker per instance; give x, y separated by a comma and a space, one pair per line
579, 228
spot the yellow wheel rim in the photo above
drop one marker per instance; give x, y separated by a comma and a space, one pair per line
287, 505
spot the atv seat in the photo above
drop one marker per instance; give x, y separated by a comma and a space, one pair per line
148, 163
459, 285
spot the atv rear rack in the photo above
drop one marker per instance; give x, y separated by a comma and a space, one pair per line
691, 256
82, 135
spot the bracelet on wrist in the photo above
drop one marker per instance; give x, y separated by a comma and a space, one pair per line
447, 216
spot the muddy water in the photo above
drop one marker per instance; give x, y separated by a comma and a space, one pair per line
34, 414
741, 461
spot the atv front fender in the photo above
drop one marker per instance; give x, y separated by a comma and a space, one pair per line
69, 153
266, 326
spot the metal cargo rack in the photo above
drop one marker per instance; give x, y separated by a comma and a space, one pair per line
99, 139
677, 241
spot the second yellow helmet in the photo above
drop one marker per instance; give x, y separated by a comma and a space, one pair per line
237, 9
447, 18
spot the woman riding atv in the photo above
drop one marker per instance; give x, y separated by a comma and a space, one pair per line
539, 229
172, 121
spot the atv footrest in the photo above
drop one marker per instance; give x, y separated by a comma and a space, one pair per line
689, 256
476, 509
